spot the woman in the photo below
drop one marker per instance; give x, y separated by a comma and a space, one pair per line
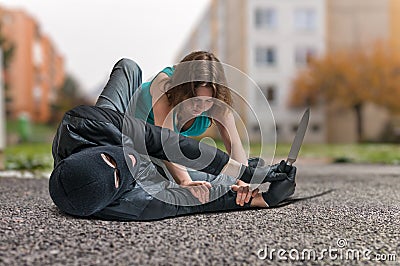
188, 98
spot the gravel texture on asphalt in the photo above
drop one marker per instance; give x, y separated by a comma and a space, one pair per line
352, 211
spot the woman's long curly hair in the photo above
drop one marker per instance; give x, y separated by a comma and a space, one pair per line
199, 68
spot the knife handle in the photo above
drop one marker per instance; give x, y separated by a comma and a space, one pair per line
284, 167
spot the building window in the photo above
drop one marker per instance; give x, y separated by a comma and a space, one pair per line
316, 128
37, 53
266, 18
305, 19
269, 92
303, 55
278, 129
266, 56
256, 128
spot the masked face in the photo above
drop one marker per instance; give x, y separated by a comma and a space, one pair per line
110, 161
89, 180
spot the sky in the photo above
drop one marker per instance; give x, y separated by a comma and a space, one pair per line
93, 35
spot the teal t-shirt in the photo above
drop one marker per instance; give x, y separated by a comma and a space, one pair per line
144, 110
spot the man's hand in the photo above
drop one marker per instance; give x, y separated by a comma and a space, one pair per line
199, 189
262, 174
281, 190
244, 193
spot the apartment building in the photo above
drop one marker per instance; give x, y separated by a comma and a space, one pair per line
36, 70
272, 40
269, 41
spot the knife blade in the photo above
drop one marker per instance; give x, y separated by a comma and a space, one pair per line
298, 139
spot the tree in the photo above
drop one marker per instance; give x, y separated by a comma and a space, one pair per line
350, 79
69, 96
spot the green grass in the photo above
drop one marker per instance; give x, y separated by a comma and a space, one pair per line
32, 153
340, 153
29, 156
356, 153
37, 132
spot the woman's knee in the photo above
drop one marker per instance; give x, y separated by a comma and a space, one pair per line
128, 65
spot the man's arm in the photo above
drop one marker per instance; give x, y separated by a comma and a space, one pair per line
167, 145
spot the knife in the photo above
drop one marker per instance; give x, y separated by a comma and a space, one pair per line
298, 140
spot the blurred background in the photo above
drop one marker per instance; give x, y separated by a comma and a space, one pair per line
341, 57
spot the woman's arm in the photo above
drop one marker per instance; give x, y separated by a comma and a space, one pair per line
230, 137
163, 117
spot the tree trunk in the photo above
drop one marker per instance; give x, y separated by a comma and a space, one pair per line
359, 121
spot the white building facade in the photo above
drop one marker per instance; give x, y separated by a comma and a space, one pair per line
269, 40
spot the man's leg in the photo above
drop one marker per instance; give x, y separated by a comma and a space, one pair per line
125, 78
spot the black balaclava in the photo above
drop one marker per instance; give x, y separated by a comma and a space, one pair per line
83, 184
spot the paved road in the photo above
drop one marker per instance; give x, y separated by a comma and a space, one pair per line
354, 215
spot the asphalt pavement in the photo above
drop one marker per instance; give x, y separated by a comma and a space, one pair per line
340, 214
